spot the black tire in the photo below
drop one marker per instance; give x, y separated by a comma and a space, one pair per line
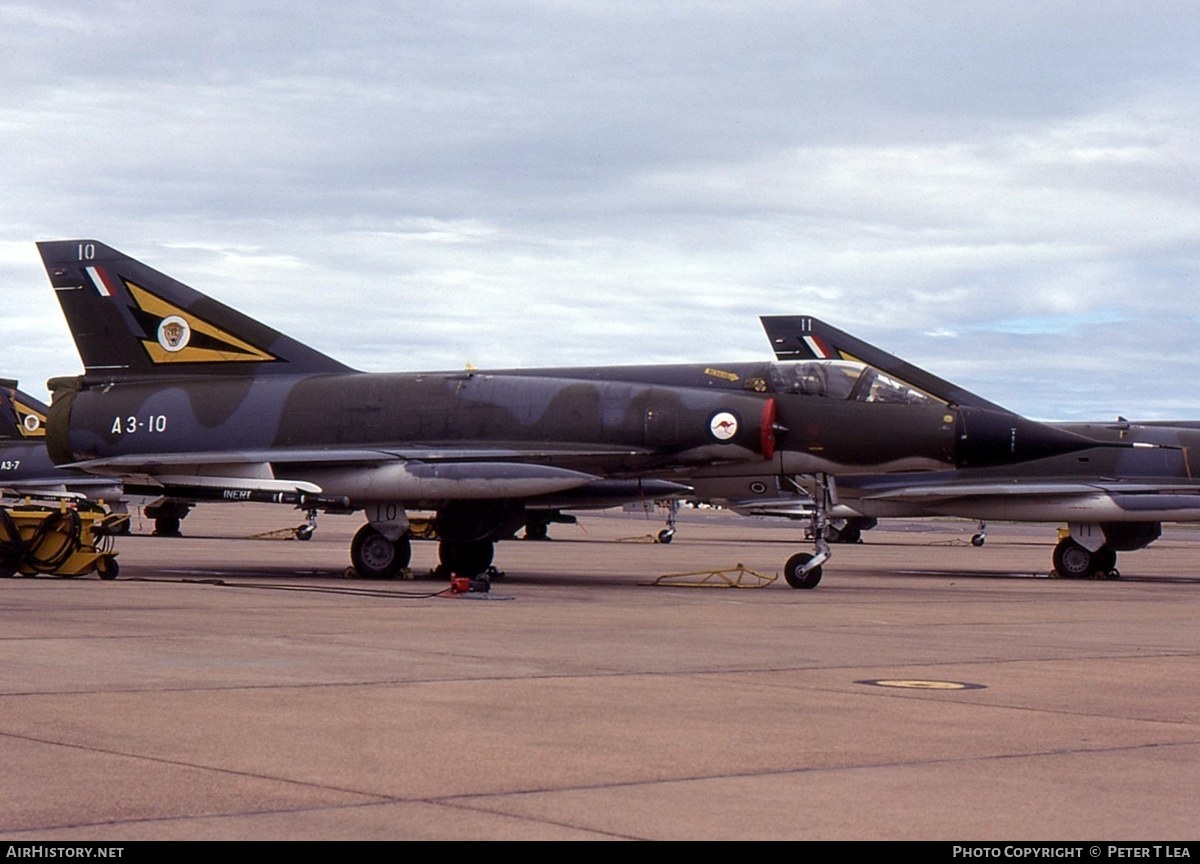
791, 572
12, 547
978, 540
467, 559
1072, 561
304, 532
167, 526
107, 567
666, 535
374, 556
537, 531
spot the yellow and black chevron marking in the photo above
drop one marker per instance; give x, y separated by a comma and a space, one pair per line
181, 337
30, 423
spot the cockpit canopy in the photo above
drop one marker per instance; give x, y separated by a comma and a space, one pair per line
845, 379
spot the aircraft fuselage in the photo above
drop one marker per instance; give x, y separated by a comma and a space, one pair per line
561, 433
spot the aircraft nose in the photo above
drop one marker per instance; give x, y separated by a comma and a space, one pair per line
985, 437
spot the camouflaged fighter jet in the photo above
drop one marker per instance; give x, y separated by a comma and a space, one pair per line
836, 415
1113, 496
191, 397
188, 395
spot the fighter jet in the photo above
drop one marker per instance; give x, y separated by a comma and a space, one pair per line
185, 394
1113, 497
835, 416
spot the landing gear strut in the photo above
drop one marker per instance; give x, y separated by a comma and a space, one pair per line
305, 531
667, 534
803, 570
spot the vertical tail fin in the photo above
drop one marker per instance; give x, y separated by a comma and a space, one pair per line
129, 321
802, 337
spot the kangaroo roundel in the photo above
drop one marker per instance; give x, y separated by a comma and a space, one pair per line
723, 425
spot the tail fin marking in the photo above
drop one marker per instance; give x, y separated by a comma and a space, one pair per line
21, 416
131, 321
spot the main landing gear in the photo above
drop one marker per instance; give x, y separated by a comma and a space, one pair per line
377, 556
1088, 550
803, 570
1074, 561
471, 559
167, 515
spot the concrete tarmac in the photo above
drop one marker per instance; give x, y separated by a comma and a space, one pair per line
228, 686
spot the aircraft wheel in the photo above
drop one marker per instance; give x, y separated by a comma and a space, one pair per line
107, 567
1106, 560
374, 556
978, 540
1073, 561
466, 559
166, 526
304, 532
666, 535
791, 572
537, 531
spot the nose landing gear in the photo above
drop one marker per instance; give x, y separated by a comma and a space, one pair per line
803, 570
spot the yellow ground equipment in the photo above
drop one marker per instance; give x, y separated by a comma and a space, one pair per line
62, 539
730, 577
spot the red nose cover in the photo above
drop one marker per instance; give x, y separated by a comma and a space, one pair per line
767, 429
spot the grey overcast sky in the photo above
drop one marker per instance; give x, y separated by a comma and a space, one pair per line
1005, 193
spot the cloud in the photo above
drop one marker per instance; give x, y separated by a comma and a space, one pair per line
536, 183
